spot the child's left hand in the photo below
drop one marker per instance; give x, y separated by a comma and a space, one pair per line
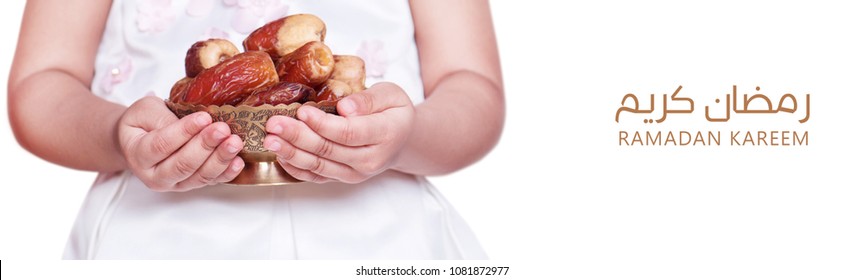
321, 147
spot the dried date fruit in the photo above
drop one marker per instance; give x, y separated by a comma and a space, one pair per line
233, 80
332, 90
178, 91
206, 54
310, 65
351, 70
282, 36
281, 93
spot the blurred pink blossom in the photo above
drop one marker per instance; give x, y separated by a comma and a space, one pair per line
154, 16
251, 14
372, 52
197, 8
116, 74
213, 32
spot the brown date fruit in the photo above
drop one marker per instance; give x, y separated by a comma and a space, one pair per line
233, 80
178, 91
332, 90
206, 54
282, 36
351, 70
281, 93
310, 65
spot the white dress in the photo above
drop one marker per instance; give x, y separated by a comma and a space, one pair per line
390, 216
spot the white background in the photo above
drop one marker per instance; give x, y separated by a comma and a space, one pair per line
558, 196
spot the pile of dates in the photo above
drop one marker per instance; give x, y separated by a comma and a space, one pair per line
285, 61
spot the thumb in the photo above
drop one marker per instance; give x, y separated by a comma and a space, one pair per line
149, 114
376, 99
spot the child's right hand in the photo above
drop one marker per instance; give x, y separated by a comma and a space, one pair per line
170, 154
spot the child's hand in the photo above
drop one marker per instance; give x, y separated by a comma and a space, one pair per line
321, 147
168, 154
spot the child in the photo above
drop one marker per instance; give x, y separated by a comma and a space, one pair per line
435, 105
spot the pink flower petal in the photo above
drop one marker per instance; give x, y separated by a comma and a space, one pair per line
116, 74
106, 85
244, 21
213, 32
250, 13
154, 16
197, 8
375, 57
124, 70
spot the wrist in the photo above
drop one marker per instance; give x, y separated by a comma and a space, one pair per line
116, 148
407, 155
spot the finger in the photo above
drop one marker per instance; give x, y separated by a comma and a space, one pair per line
234, 168
302, 136
304, 175
153, 114
354, 131
161, 143
287, 154
379, 97
188, 159
217, 164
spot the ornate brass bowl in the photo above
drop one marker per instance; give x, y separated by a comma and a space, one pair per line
249, 122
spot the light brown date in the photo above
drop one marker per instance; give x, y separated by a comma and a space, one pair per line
281, 93
282, 36
206, 54
332, 90
233, 80
351, 70
310, 65
178, 91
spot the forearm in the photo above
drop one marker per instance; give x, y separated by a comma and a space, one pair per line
459, 123
56, 117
